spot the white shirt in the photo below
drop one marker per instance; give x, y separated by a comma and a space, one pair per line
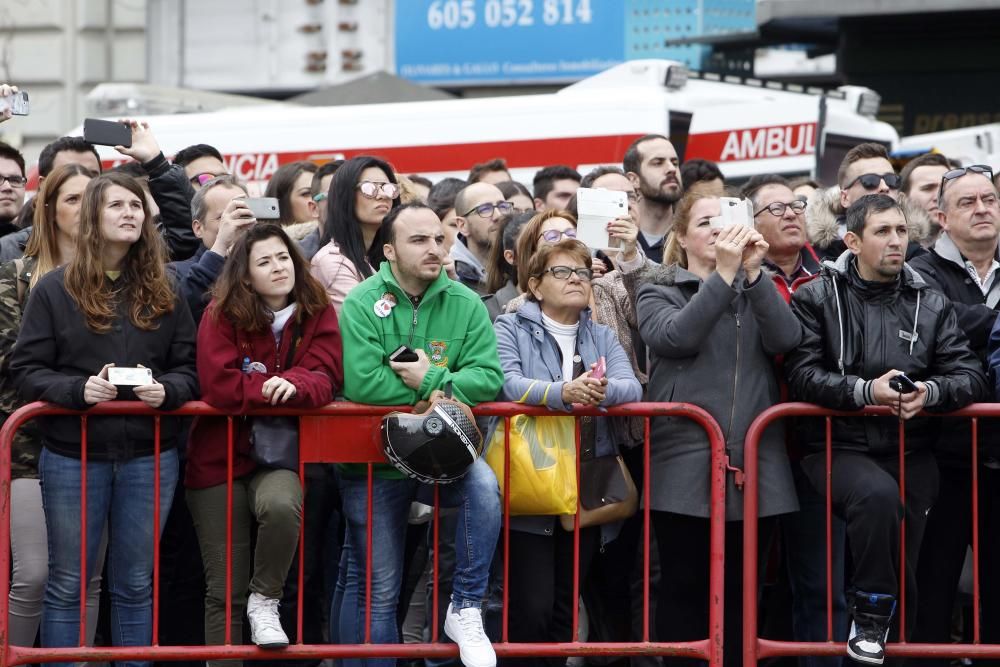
281, 318
565, 335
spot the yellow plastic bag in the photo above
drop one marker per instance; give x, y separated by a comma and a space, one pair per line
542, 464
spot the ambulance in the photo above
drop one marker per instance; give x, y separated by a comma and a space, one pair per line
747, 126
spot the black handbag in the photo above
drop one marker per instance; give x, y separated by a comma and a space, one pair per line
274, 441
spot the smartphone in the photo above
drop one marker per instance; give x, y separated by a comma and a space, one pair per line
403, 354
735, 211
264, 208
17, 103
106, 133
600, 369
903, 384
129, 377
595, 209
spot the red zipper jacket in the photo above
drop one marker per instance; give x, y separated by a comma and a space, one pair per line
317, 372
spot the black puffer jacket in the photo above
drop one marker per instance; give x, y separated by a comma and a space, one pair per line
853, 331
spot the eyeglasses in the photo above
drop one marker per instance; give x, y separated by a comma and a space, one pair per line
777, 209
15, 181
203, 177
372, 190
871, 181
486, 210
564, 272
962, 171
319, 196
553, 235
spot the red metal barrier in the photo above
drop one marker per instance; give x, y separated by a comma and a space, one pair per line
756, 648
358, 441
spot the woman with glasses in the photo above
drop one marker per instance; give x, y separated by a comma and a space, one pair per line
713, 323
112, 305
363, 191
52, 244
549, 350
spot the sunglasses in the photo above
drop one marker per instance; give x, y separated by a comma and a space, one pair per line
962, 171
777, 209
203, 177
486, 210
321, 196
553, 235
372, 189
871, 181
564, 272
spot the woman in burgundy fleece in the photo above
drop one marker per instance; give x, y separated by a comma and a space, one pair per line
266, 306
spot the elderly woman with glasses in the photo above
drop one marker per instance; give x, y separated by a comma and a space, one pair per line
550, 350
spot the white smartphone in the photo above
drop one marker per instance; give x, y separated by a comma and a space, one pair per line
124, 376
263, 208
735, 211
595, 209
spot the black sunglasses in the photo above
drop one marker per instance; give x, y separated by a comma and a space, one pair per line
871, 181
962, 171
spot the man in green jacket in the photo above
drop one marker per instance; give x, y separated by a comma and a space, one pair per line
412, 302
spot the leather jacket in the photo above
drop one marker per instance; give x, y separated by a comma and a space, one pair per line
854, 331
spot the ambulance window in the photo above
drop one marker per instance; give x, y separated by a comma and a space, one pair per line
680, 125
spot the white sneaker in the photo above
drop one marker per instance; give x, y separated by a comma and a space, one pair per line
265, 624
465, 628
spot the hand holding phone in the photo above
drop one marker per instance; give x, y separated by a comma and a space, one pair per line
106, 133
13, 102
600, 369
403, 354
903, 384
596, 208
733, 211
264, 208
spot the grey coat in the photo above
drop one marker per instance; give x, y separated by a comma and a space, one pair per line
713, 345
532, 368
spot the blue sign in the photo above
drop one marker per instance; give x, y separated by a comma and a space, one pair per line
449, 42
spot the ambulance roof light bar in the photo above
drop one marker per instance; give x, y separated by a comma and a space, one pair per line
676, 78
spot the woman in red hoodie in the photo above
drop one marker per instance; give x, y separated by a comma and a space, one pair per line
266, 309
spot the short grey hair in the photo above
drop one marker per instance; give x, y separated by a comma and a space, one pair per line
199, 209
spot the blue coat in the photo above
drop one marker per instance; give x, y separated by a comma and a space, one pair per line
532, 367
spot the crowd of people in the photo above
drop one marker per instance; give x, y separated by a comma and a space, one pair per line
880, 289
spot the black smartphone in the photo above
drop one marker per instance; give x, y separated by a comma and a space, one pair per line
403, 354
903, 384
106, 133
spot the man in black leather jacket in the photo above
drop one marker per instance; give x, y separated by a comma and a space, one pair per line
867, 319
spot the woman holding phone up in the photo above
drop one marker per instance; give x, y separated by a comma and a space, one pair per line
713, 323
112, 306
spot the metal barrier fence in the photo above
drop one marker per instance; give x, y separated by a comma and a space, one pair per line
357, 440
756, 648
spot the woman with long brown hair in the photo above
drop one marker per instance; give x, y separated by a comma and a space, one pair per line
111, 306
52, 244
269, 337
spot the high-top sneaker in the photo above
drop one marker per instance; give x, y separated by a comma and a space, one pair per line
871, 614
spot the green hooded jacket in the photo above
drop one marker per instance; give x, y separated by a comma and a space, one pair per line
450, 324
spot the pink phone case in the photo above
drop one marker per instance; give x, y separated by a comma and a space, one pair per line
600, 369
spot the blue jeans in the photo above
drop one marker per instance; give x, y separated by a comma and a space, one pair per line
477, 496
121, 494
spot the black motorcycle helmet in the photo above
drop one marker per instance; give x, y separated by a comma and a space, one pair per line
437, 446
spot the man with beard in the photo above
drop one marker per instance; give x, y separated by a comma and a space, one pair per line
652, 165
478, 207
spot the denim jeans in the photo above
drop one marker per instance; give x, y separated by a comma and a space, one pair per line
121, 494
477, 496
